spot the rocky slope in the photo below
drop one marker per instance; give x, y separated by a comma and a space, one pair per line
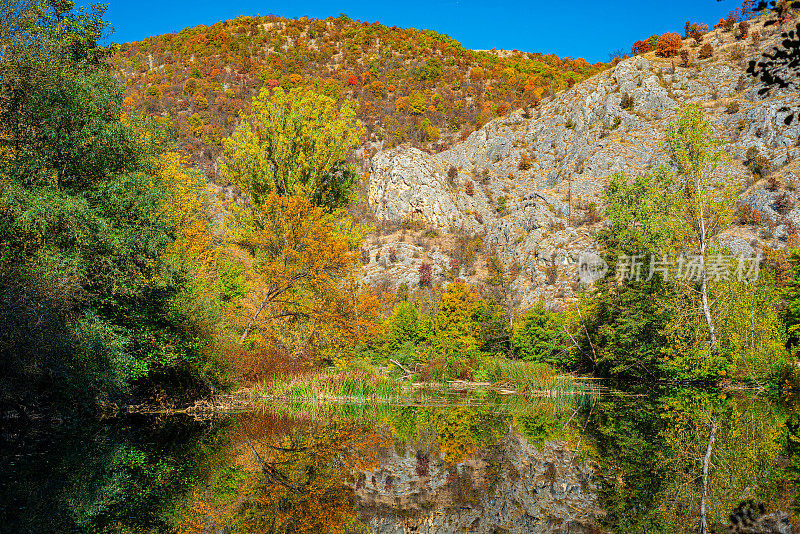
531, 183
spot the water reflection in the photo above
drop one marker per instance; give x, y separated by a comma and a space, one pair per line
609, 463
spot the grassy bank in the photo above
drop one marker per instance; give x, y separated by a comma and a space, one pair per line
371, 384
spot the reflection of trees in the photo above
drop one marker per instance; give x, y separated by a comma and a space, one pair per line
652, 454
117, 476
296, 477
462, 430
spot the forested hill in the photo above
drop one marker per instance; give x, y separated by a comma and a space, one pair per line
411, 85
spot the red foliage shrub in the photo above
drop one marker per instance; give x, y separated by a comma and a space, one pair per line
640, 47
748, 215
469, 188
425, 274
695, 30
669, 44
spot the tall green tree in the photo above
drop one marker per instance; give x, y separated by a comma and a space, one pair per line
706, 202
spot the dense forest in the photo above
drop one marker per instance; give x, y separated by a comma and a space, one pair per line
175, 360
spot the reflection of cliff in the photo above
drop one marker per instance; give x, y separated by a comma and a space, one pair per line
511, 487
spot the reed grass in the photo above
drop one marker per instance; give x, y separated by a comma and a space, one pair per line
539, 378
349, 385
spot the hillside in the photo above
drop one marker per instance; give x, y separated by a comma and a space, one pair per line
414, 86
529, 186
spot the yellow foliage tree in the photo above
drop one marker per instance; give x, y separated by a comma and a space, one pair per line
454, 320
293, 143
186, 209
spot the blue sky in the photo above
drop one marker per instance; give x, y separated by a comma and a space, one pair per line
577, 28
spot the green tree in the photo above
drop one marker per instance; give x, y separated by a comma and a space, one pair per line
84, 293
493, 328
705, 204
626, 327
635, 209
539, 336
294, 142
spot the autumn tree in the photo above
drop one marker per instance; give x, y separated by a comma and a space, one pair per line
706, 203
669, 44
294, 143
302, 263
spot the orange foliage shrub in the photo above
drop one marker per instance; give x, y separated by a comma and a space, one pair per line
669, 44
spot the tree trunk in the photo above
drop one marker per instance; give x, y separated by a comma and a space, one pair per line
253, 320
712, 333
706, 462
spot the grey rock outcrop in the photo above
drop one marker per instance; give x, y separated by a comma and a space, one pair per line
534, 173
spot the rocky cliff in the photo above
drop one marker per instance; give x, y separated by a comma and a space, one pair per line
531, 184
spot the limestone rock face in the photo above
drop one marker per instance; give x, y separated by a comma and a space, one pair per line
523, 180
409, 184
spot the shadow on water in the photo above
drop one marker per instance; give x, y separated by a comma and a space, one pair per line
607, 462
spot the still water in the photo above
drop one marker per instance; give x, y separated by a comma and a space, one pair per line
611, 462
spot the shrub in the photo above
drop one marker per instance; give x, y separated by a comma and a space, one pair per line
759, 165
452, 174
392, 254
365, 256
592, 215
402, 292
746, 214
551, 273
729, 23
626, 102
732, 107
501, 205
742, 30
469, 188
685, 56
425, 275
784, 203
525, 162
669, 44
539, 336
773, 184
706, 51
478, 217
640, 47
695, 30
